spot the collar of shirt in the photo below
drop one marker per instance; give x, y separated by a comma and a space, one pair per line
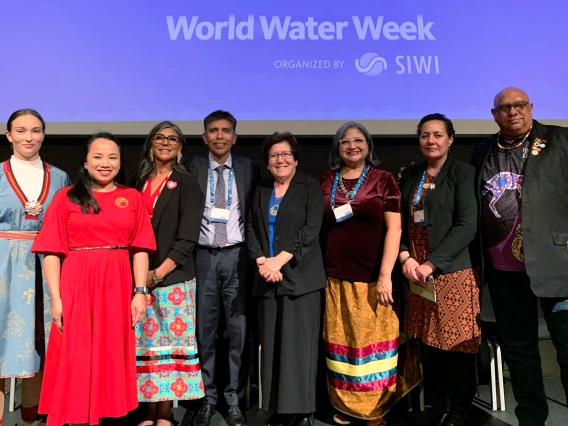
214, 164
20, 164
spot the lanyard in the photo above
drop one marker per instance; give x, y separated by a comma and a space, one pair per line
421, 186
159, 189
212, 187
355, 190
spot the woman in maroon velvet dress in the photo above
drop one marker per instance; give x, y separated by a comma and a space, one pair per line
362, 229
94, 227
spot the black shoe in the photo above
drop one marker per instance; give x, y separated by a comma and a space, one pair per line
302, 420
203, 417
456, 417
235, 417
278, 419
440, 420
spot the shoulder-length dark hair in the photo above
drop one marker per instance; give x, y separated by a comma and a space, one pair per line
278, 137
335, 161
439, 117
81, 193
147, 166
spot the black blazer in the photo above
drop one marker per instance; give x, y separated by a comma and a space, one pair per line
298, 224
544, 198
247, 176
177, 223
450, 214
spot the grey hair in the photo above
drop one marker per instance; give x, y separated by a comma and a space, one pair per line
335, 161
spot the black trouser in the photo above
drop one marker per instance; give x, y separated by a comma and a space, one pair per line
220, 276
452, 375
515, 307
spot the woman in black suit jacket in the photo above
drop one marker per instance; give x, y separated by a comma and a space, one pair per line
283, 240
437, 246
166, 350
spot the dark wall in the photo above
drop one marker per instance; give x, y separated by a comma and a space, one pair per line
66, 152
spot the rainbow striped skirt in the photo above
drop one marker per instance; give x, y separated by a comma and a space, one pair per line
362, 351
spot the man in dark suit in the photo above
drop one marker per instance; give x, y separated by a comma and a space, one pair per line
522, 175
228, 182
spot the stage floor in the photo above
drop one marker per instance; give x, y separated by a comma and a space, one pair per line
481, 415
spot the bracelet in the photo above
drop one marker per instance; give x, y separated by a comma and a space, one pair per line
405, 260
155, 278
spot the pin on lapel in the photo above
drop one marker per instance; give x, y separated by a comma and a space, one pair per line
171, 184
538, 145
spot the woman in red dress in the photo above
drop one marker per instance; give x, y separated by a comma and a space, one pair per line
94, 227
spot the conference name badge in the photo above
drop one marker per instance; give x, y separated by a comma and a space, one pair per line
419, 218
343, 213
219, 215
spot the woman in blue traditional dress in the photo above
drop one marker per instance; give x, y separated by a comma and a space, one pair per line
27, 185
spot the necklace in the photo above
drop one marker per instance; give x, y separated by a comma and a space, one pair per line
518, 144
344, 190
277, 200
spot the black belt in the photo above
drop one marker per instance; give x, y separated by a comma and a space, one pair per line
216, 249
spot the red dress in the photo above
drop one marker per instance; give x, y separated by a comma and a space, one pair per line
90, 369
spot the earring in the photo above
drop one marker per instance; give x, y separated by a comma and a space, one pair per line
179, 157
151, 156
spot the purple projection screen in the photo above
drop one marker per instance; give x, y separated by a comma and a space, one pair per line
93, 63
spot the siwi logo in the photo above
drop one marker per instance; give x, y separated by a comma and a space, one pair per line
371, 64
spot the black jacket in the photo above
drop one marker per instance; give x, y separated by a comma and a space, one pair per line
177, 222
544, 198
450, 214
298, 224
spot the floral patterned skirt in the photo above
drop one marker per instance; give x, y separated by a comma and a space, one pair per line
167, 364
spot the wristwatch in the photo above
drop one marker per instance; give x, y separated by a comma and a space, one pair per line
141, 290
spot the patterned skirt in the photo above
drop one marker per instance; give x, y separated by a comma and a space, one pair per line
167, 365
367, 370
453, 322
25, 310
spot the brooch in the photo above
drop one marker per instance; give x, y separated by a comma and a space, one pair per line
121, 202
538, 145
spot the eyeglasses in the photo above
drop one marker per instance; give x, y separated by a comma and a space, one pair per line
357, 142
286, 155
505, 108
172, 140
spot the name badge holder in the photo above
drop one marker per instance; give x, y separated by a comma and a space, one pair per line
219, 215
418, 215
345, 211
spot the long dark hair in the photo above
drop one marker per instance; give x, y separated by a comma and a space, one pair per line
147, 165
82, 193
